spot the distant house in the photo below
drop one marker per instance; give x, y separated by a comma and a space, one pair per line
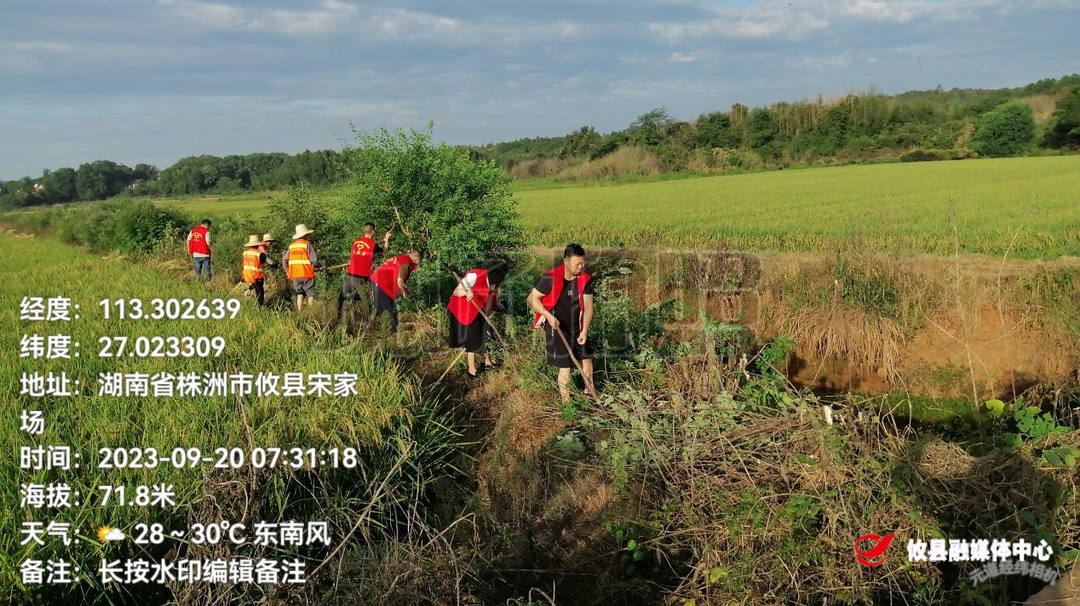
38, 188
136, 184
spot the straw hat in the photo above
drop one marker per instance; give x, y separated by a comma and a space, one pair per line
253, 240
268, 238
301, 231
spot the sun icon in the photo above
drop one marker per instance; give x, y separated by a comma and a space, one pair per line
104, 530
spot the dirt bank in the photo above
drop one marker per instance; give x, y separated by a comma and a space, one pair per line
942, 327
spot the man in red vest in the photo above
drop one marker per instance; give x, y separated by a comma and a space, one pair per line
390, 282
198, 244
563, 302
361, 265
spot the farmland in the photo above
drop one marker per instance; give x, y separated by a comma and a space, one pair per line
896, 207
570, 485
1025, 207
559, 473
698, 353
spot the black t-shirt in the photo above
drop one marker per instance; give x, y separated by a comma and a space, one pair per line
567, 306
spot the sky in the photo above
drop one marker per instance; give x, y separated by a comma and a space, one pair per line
156, 80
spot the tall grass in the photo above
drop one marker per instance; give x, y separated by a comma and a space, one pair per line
621, 162
403, 445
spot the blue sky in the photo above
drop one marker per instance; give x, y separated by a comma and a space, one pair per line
156, 80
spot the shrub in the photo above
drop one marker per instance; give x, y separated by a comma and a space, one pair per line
140, 225
1006, 130
1066, 129
434, 196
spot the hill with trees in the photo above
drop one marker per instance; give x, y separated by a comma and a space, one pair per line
1042, 117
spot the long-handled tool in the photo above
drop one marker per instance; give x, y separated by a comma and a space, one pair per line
451, 366
570, 352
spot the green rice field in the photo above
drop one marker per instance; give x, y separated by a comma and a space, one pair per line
1024, 207
1029, 207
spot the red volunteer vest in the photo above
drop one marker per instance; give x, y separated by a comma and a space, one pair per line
462, 308
552, 297
386, 276
197, 243
362, 257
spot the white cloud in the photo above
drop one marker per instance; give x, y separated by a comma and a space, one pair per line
374, 23
329, 16
209, 14
795, 20
762, 20
903, 11
683, 58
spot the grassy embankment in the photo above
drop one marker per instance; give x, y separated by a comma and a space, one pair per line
389, 421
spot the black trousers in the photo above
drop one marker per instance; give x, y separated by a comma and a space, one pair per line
356, 288
383, 303
257, 286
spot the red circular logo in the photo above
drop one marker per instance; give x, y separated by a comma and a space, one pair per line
877, 549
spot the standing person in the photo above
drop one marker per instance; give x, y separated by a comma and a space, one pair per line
390, 279
468, 328
563, 300
361, 264
198, 244
299, 262
252, 266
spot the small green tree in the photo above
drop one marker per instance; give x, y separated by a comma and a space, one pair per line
90, 184
453, 209
1066, 129
1006, 130
581, 142
714, 130
60, 185
650, 128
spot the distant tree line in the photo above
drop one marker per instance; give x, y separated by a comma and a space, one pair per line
919, 125
913, 126
195, 175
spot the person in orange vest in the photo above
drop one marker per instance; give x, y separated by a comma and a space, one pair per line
252, 263
390, 279
361, 265
563, 301
478, 291
300, 263
198, 245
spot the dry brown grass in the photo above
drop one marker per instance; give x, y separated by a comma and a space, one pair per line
1042, 106
854, 335
537, 168
625, 161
